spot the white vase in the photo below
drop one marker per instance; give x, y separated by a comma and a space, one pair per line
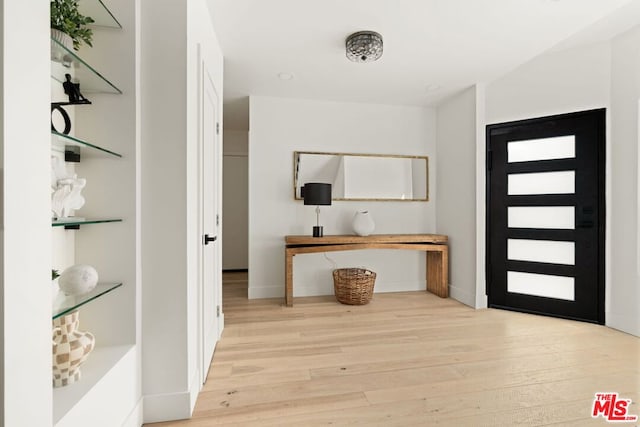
363, 224
63, 38
58, 54
78, 279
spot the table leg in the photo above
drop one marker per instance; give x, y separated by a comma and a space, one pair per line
438, 272
288, 278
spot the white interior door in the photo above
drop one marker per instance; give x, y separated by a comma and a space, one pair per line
210, 283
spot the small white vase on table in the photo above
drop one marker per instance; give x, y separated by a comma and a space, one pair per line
362, 223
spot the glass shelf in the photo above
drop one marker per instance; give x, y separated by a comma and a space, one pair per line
99, 12
95, 151
70, 222
66, 304
90, 80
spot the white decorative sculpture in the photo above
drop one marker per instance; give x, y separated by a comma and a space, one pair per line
78, 279
66, 189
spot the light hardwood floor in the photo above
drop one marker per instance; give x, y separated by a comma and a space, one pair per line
407, 359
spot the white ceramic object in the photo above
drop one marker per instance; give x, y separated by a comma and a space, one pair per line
66, 189
66, 196
78, 279
57, 54
63, 38
363, 224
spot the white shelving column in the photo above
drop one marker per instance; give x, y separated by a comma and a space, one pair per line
25, 300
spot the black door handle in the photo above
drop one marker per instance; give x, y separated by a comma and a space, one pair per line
208, 239
586, 219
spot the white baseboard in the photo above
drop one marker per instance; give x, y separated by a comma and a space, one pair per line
482, 301
221, 324
266, 292
196, 386
167, 407
406, 286
628, 324
136, 417
462, 295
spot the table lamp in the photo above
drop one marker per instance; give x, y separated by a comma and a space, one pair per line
317, 193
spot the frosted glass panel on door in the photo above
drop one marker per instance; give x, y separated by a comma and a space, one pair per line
559, 147
563, 182
541, 285
541, 251
555, 217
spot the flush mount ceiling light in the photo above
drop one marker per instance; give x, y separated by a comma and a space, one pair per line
364, 46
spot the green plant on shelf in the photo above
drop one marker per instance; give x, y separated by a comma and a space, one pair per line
66, 17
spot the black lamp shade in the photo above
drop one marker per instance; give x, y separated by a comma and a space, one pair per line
316, 193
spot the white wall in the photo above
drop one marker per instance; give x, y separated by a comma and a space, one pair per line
171, 33
594, 76
235, 215
623, 298
26, 242
278, 127
236, 142
2, 244
456, 177
556, 83
163, 124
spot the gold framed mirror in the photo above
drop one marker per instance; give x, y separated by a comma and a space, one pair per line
380, 177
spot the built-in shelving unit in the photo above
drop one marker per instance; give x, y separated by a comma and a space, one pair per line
64, 304
111, 315
91, 80
93, 150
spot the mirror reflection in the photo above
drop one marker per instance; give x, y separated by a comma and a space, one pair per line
364, 176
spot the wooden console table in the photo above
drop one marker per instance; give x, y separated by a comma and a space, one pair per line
435, 245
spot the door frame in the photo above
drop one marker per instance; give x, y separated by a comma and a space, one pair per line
601, 157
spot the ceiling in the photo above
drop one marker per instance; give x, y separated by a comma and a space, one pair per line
432, 48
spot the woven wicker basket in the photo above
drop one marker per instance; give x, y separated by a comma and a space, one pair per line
353, 286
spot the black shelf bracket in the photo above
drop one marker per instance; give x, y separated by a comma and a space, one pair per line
71, 154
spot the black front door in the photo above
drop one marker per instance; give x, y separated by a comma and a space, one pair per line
545, 215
